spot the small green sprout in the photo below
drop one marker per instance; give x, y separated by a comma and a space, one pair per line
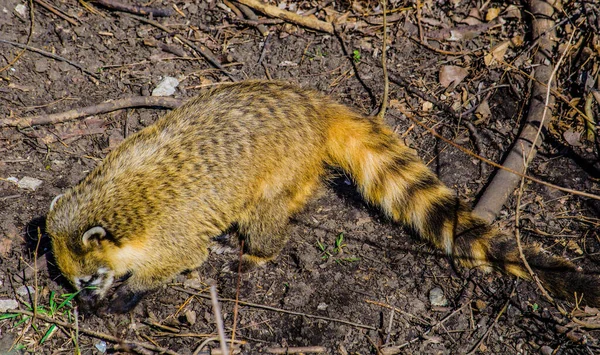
356, 56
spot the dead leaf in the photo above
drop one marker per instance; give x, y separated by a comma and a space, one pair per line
573, 138
496, 54
6, 239
512, 11
574, 247
492, 14
452, 75
517, 41
395, 103
483, 112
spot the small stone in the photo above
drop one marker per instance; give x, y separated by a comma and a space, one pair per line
480, 305
101, 346
166, 87
6, 304
21, 10
41, 65
29, 183
437, 298
546, 350
193, 284
190, 317
25, 291
322, 306
115, 139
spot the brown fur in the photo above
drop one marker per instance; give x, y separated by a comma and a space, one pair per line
251, 154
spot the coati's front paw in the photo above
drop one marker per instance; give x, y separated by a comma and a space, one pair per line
124, 300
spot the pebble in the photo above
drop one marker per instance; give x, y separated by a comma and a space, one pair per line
21, 10
190, 317
166, 87
322, 306
41, 65
437, 298
29, 183
101, 346
25, 290
6, 304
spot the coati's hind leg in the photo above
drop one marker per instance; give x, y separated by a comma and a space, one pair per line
263, 233
263, 228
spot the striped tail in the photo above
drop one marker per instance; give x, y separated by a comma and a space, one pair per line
390, 176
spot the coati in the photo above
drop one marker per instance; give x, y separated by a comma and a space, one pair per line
250, 154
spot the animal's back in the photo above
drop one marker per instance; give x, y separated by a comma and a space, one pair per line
217, 154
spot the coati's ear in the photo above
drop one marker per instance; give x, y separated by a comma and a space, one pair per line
54, 201
93, 236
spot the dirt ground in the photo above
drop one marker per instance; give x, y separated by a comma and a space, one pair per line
340, 294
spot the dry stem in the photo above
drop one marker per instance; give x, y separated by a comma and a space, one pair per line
288, 16
108, 106
504, 182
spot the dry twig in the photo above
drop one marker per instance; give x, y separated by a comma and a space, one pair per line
273, 11
218, 318
274, 309
297, 350
202, 50
95, 334
386, 80
136, 101
135, 9
23, 47
50, 55
505, 182
56, 12
489, 329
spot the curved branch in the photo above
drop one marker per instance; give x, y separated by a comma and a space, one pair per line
109, 106
504, 183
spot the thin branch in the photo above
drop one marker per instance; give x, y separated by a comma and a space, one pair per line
489, 329
297, 350
94, 334
135, 9
218, 319
202, 50
108, 106
29, 35
386, 79
504, 183
50, 55
289, 16
273, 309
56, 12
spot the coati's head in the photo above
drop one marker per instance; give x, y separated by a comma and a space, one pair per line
79, 249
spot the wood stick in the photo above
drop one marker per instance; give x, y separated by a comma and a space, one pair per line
56, 12
95, 334
50, 55
504, 182
274, 309
136, 101
135, 9
289, 16
202, 50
